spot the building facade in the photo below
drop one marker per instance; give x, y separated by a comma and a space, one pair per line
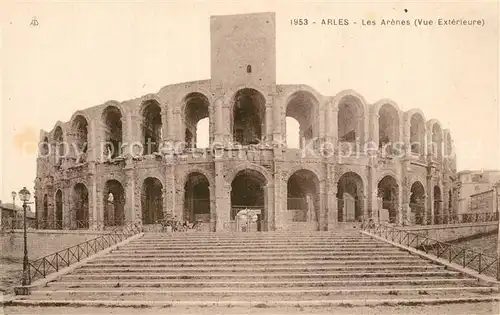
476, 190
140, 159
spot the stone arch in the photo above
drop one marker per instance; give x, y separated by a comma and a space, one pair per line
304, 107
304, 198
195, 108
417, 132
151, 125
81, 205
350, 197
152, 200
112, 120
44, 148
389, 122
80, 135
299, 167
231, 174
185, 175
59, 209
249, 191
197, 199
388, 192
248, 116
417, 203
351, 116
114, 203
436, 138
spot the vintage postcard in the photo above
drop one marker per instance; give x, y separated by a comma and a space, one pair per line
250, 157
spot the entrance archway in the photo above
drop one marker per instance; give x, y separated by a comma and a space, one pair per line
152, 201
349, 198
417, 203
114, 203
81, 206
249, 111
303, 199
248, 192
388, 191
151, 127
59, 209
197, 198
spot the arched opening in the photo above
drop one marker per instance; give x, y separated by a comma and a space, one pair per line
417, 203
45, 213
247, 192
449, 146
81, 206
350, 119
388, 128
59, 145
249, 111
203, 133
388, 195
439, 216
197, 198
350, 198
417, 134
292, 127
437, 141
113, 133
80, 138
303, 107
44, 148
196, 108
450, 203
303, 198
114, 203
152, 201
59, 209
151, 127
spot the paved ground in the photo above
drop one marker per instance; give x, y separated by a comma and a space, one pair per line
486, 244
10, 273
446, 309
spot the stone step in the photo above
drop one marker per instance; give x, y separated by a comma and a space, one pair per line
259, 275
175, 246
311, 263
262, 284
243, 251
214, 254
260, 259
259, 241
260, 294
86, 269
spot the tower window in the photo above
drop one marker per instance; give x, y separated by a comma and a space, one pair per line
249, 69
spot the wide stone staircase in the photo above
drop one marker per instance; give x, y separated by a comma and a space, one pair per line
259, 269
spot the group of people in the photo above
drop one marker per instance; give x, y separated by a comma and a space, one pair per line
178, 226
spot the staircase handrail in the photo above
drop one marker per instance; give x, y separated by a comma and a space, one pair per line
463, 256
43, 266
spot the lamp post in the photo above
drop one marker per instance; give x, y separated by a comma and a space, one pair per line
14, 195
24, 196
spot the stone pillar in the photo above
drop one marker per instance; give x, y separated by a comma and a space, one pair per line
321, 130
219, 123
94, 220
169, 116
323, 224
69, 215
213, 213
278, 122
334, 128
280, 202
331, 198
169, 204
399, 207
222, 198
430, 201
373, 193
269, 121
269, 208
131, 213
375, 129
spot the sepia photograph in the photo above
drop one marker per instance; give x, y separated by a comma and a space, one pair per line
250, 157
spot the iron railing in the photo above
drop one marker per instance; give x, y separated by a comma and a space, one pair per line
470, 217
465, 257
42, 267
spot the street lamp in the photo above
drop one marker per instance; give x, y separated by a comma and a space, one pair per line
14, 195
25, 195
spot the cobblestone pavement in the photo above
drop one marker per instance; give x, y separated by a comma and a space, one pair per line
451, 309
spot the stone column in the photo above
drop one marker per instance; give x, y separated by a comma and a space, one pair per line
69, 215
169, 204
334, 128
280, 204
213, 213
169, 116
430, 201
277, 121
131, 213
222, 198
323, 224
375, 129
399, 207
269, 121
219, 123
94, 219
331, 196
320, 114
373, 191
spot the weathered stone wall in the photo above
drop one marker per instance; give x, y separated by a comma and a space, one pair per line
452, 232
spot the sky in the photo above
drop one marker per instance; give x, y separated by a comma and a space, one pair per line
83, 54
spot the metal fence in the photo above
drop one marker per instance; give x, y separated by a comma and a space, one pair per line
465, 257
42, 267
